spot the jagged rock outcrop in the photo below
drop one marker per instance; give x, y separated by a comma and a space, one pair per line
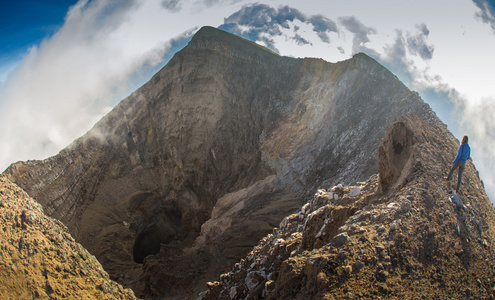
40, 259
398, 235
214, 151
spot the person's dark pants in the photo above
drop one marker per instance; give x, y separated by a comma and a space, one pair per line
461, 165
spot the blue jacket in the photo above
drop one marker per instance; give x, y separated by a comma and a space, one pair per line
463, 154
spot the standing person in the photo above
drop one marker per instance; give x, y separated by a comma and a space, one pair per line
463, 155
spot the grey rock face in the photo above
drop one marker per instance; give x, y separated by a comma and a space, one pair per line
209, 155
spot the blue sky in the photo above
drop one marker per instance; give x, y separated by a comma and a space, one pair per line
26, 23
65, 63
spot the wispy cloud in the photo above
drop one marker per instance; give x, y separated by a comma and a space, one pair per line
260, 22
398, 56
172, 5
361, 34
487, 12
417, 43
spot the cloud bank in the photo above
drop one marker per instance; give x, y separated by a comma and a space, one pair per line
260, 22
361, 34
487, 12
67, 83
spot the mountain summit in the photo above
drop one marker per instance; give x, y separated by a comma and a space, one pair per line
183, 177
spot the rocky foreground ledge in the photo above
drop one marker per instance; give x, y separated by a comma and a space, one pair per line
397, 235
40, 259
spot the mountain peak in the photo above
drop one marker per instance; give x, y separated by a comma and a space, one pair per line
213, 33
212, 38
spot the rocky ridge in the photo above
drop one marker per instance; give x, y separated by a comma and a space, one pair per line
182, 178
40, 259
392, 236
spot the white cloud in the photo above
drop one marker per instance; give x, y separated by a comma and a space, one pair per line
67, 83
487, 12
6, 67
360, 32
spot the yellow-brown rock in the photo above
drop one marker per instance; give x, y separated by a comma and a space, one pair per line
40, 260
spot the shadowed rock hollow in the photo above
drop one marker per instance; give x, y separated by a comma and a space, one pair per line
183, 177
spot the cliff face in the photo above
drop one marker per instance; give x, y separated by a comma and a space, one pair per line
39, 257
209, 155
396, 235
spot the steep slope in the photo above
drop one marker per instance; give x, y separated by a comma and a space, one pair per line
209, 155
39, 259
397, 235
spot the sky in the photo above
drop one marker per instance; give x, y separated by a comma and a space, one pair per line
64, 63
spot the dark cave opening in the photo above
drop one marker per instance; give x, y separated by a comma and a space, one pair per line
147, 243
164, 227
